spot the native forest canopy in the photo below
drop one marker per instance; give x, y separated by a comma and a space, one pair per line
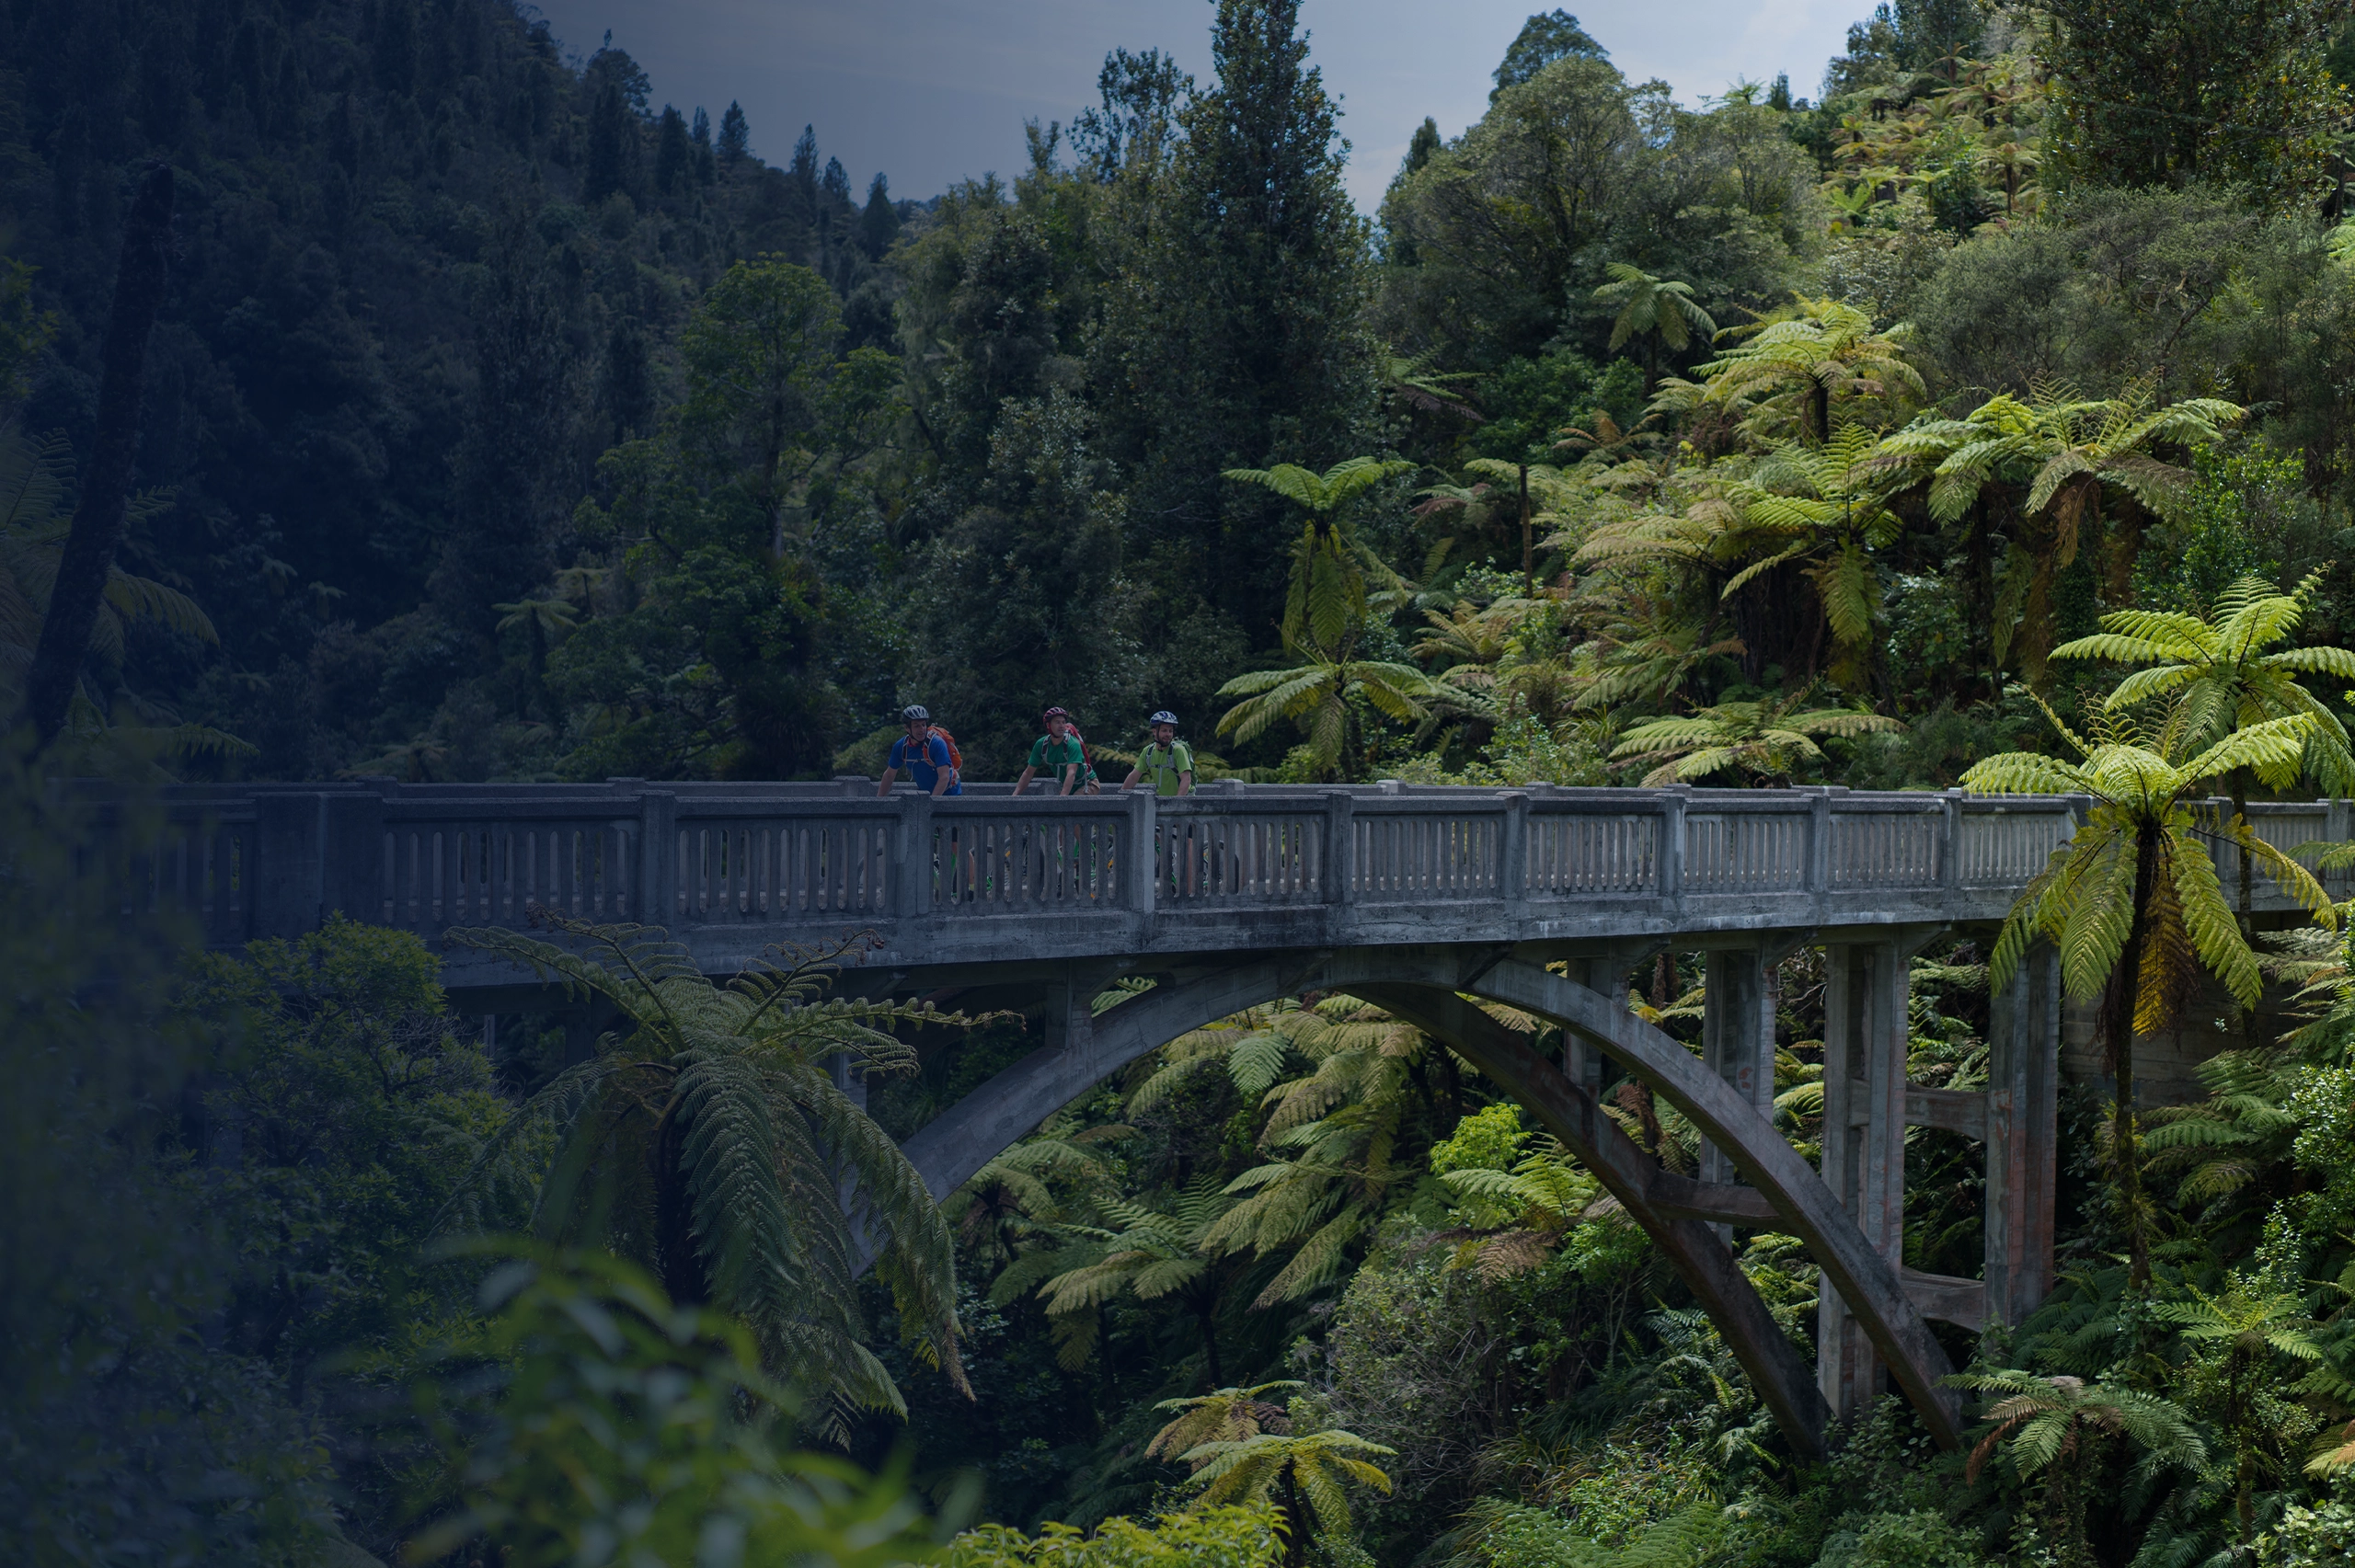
395, 389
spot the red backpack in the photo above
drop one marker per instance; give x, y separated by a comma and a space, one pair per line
956, 758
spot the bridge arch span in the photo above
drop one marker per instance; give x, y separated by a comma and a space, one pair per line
1428, 986
949, 1148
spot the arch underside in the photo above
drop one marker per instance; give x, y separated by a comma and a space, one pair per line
1429, 987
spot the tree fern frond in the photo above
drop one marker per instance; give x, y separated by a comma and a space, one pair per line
2214, 931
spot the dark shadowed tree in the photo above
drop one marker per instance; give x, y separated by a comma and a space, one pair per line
1038, 561
757, 355
878, 224
671, 160
87, 561
1422, 144
1234, 335
735, 135
1135, 127
513, 467
2223, 91
626, 389
609, 127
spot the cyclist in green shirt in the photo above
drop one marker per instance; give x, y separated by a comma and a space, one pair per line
1061, 753
1168, 762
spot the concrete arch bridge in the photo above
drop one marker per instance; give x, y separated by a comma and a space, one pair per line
1413, 898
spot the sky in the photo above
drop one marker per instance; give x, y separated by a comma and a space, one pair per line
930, 92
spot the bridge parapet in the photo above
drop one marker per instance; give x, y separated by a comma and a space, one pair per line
987, 878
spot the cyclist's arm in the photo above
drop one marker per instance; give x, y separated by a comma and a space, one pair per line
1186, 782
1135, 775
1024, 781
1071, 778
943, 775
890, 772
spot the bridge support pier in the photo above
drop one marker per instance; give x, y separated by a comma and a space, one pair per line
1864, 1038
2023, 1117
1606, 975
1738, 1035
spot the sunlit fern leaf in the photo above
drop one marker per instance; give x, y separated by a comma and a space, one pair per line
1318, 1260
2213, 930
1297, 485
1256, 1063
1127, 988
1514, 1018
2092, 931
1159, 1278
2296, 883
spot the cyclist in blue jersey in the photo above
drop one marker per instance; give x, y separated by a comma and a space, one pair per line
925, 752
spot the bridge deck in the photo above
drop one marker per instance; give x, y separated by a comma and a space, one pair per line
988, 879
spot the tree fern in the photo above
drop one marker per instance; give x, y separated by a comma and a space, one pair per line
2137, 876
1768, 739
2061, 458
708, 1141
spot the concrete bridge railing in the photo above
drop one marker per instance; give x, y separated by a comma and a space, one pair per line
988, 877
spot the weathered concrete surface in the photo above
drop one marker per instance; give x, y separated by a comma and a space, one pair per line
1864, 1278
1671, 1210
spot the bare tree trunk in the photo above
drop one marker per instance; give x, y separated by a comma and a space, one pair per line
684, 1275
1528, 561
1295, 1521
2244, 1018
99, 523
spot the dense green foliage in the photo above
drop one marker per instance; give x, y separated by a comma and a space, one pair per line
504, 422
621, 1426
708, 1139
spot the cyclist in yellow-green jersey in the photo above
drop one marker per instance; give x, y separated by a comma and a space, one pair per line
1168, 762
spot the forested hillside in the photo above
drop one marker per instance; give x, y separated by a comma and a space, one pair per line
474, 459
427, 272
1983, 414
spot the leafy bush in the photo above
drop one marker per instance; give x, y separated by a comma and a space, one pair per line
1916, 1540
1213, 1537
1505, 1535
2318, 1536
612, 1427
1489, 1141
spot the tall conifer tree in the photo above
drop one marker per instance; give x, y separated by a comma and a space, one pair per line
1234, 340
735, 135
670, 155
600, 173
879, 224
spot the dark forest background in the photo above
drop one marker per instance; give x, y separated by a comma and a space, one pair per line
507, 419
